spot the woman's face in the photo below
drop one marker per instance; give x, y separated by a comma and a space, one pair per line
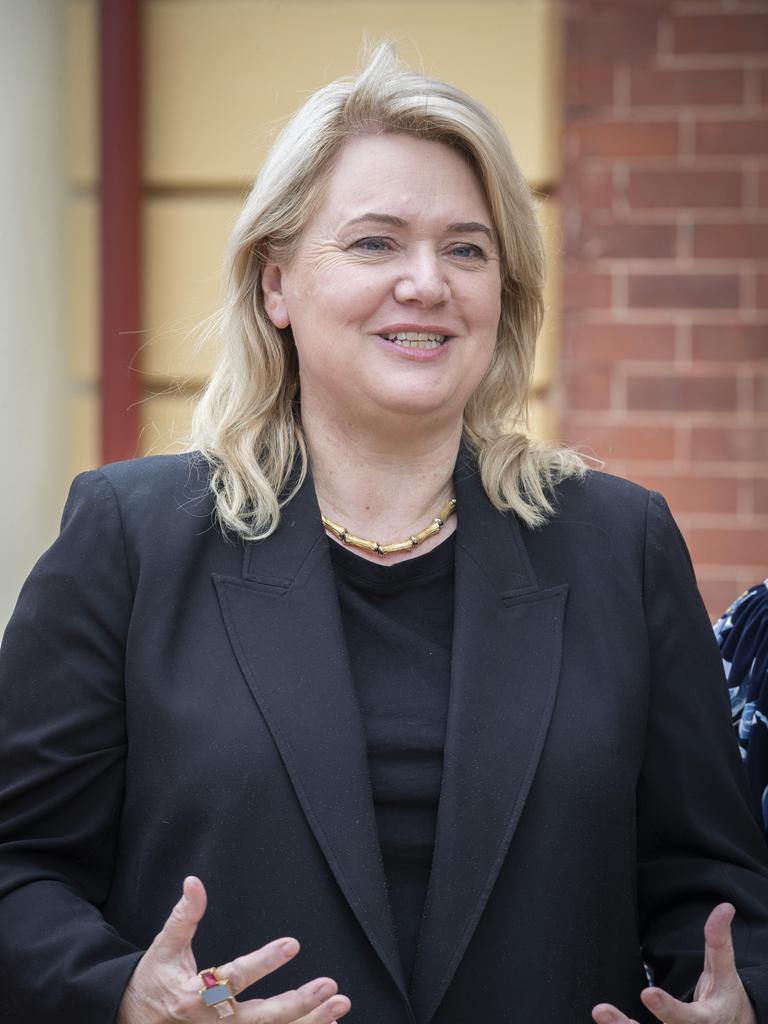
393, 294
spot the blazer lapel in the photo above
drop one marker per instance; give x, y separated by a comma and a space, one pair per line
284, 623
504, 676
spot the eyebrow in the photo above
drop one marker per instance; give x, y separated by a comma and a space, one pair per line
468, 227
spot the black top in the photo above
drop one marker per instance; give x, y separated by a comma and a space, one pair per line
398, 621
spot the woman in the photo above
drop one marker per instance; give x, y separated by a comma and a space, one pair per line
240, 666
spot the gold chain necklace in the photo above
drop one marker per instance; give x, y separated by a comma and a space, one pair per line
413, 541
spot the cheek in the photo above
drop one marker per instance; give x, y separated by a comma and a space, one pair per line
329, 301
480, 295
482, 364
484, 312
487, 315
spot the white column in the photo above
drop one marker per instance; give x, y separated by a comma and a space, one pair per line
33, 423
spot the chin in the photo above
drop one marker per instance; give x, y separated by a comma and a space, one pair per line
438, 409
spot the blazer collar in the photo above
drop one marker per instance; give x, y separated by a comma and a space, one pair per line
279, 559
504, 674
284, 623
492, 540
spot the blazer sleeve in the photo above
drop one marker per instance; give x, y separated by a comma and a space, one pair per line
698, 844
62, 754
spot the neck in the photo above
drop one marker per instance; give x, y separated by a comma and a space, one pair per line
382, 487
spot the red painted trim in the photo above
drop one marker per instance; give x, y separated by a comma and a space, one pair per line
120, 124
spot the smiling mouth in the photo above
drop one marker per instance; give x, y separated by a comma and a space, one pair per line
416, 339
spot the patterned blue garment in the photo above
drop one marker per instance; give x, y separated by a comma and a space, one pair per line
742, 635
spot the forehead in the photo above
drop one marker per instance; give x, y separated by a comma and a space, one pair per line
403, 176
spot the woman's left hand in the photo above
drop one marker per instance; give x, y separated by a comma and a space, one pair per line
719, 997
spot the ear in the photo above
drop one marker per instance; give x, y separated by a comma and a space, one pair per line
274, 300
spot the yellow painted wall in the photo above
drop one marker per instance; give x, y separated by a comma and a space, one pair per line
33, 365
221, 77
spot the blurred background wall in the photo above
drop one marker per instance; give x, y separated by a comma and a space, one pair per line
641, 125
665, 323
220, 79
33, 416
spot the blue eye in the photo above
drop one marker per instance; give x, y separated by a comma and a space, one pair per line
465, 250
373, 244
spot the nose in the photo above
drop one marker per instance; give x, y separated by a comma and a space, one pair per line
423, 281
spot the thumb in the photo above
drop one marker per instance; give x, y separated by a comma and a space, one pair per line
718, 948
181, 925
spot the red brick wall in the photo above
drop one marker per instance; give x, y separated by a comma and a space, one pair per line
665, 238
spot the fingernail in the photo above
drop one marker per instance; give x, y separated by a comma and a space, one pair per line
321, 989
289, 948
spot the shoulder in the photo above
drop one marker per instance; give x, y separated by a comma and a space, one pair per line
615, 516
154, 475
613, 500
602, 498
602, 520
151, 503
616, 544
156, 484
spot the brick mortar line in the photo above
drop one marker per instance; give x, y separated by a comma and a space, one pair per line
722, 520
704, 368
618, 464
665, 112
666, 317
669, 418
731, 317
748, 286
668, 114
686, 7
693, 266
750, 186
683, 344
687, 134
710, 61
705, 163
683, 421
683, 365
668, 216
620, 182
696, 470
746, 392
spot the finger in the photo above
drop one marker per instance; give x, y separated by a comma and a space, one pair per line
719, 961
667, 1008
177, 932
316, 1001
605, 1013
328, 1013
252, 967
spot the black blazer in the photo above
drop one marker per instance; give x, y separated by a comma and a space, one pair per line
176, 702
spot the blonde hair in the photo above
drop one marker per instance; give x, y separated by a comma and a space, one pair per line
247, 423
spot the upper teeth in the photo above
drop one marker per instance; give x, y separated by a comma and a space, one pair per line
417, 339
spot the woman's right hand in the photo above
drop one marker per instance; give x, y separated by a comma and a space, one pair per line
165, 987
